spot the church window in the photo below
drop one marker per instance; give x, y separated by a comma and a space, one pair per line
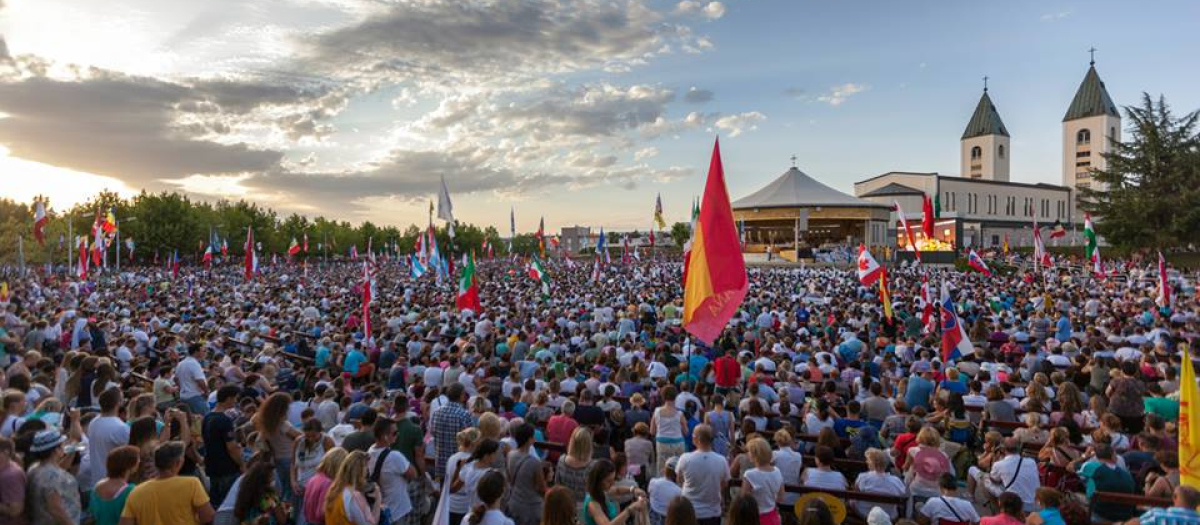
1112, 132
1083, 137
1001, 151
976, 153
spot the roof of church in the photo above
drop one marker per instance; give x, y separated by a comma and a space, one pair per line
1091, 99
796, 189
985, 121
892, 189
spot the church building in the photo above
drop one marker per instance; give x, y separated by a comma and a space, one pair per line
982, 207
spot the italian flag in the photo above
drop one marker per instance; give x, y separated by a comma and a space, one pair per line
538, 273
468, 288
1092, 251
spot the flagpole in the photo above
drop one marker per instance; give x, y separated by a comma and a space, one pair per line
21, 252
70, 239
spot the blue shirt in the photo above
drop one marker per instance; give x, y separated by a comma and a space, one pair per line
918, 392
1064, 330
352, 361
322, 359
1170, 516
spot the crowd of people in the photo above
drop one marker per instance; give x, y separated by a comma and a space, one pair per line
145, 398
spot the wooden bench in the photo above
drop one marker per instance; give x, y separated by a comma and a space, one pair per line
1135, 500
901, 502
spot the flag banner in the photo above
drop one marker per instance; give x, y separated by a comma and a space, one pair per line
927, 216
1189, 424
445, 210
716, 282
908, 233
976, 262
39, 222
658, 212
885, 297
1058, 230
955, 343
868, 268
468, 289
1164, 286
538, 273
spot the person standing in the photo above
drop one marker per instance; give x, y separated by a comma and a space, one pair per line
446, 423
193, 385
392, 472
222, 453
764, 482
525, 502
12, 486
169, 497
705, 476
53, 493
668, 425
105, 433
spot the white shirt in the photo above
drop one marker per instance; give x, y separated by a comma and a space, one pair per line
392, 483
433, 377
1026, 482
814, 477
764, 486
661, 492
104, 434
790, 463
702, 474
190, 376
940, 508
491, 517
879, 483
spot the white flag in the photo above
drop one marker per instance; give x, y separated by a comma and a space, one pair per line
445, 207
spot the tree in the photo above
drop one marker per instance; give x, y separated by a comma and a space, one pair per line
680, 233
1152, 197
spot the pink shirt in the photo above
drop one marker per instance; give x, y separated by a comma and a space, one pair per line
314, 498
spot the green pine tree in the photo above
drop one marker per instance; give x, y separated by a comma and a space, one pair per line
1153, 181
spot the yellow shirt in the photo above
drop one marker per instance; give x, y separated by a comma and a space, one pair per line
172, 500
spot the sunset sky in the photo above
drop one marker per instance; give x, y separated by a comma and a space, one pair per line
576, 110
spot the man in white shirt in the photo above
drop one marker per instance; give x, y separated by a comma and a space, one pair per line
193, 386
393, 474
1013, 473
104, 434
705, 476
948, 506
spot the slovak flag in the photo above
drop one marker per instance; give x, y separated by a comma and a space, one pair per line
955, 343
976, 262
868, 268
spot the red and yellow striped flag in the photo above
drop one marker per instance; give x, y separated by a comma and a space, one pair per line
716, 280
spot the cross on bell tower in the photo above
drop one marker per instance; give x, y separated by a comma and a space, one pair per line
1092, 52
793, 160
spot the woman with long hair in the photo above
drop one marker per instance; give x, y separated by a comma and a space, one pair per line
681, 512
742, 511
469, 475
143, 434
668, 426
572, 469
318, 486
257, 501
278, 436
456, 502
597, 508
559, 507
490, 492
310, 450
346, 502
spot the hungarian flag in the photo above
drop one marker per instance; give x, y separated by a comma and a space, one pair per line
1164, 287
908, 233
954, 337
1092, 250
716, 281
294, 248
976, 262
926, 216
1058, 230
868, 268
687, 246
658, 212
926, 303
39, 222
251, 260
468, 289
207, 257
538, 273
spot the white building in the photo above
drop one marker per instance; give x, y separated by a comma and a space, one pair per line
982, 207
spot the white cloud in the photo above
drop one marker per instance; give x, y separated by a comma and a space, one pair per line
737, 124
1050, 17
687, 7
838, 94
714, 10
645, 153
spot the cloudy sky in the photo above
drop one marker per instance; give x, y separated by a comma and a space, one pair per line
578, 110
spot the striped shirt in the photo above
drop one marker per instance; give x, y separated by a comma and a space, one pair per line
1170, 516
445, 424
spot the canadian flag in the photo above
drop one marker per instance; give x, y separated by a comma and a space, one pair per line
868, 268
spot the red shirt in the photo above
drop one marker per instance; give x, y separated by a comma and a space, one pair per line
728, 371
559, 430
